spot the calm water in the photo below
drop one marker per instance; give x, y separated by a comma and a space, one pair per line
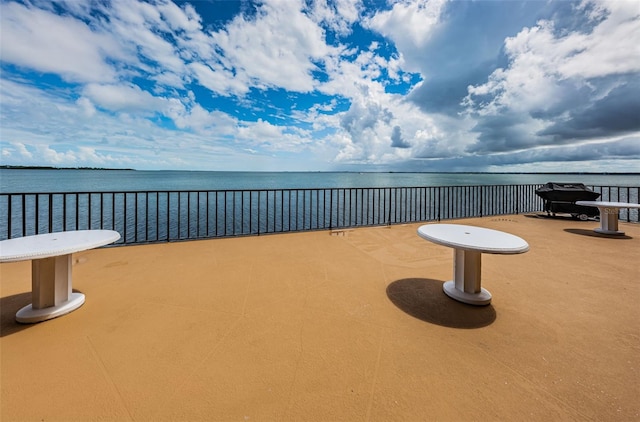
23, 180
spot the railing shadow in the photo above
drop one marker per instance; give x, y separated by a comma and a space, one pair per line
9, 305
424, 299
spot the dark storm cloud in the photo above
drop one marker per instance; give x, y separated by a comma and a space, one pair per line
605, 107
616, 114
503, 133
396, 139
626, 149
444, 93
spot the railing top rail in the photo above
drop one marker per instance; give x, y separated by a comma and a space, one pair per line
271, 189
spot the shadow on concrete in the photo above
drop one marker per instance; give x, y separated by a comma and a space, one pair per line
8, 307
591, 233
424, 299
561, 217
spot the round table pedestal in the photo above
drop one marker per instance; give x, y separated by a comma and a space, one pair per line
609, 222
28, 314
466, 284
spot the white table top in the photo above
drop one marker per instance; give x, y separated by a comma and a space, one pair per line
54, 244
473, 238
606, 204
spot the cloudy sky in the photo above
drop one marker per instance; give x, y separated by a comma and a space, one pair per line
424, 85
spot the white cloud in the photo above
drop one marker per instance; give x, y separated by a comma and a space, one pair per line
180, 19
46, 42
540, 58
22, 150
409, 24
201, 120
67, 135
276, 49
149, 81
612, 48
52, 156
140, 26
219, 80
122, 97
271, 137
338, 15
87, 107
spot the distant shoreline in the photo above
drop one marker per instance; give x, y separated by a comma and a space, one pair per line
13, 167
9, 167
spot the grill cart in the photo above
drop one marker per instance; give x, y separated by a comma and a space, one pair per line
562, 197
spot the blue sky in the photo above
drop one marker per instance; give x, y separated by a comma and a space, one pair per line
319, 85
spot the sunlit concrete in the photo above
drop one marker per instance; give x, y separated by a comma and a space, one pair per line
334, 326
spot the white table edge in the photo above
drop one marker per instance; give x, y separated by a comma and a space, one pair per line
450, 244
115, 236
508, 251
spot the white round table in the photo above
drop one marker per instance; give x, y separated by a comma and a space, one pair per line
608, 215
50, 253
469, 242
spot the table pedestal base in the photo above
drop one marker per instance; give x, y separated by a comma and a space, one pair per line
29, 315
482, 298
465, 286
51, 292
609, 222
609, 232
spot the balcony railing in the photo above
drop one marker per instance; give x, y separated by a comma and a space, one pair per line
161, 216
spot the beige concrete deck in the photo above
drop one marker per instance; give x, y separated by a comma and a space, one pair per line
348, 326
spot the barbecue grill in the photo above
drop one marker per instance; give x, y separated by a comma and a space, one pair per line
562, 197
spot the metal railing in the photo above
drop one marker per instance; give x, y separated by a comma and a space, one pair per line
161, 216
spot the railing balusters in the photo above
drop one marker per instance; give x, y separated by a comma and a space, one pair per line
271, 210
24, 215
9, 216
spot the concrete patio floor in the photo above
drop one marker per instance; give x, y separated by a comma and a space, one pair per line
342, 326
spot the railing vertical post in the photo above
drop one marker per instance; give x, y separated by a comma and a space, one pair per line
37, 214
125, 216
157, 216
168, 216
198, 214
259, 212
101, 210
330, 209
304, 208
135, 217
89, 206
10, 217
391, 205
438, 203
250, 212
50, 213
24, 215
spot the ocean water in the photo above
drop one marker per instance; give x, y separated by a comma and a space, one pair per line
47, 181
